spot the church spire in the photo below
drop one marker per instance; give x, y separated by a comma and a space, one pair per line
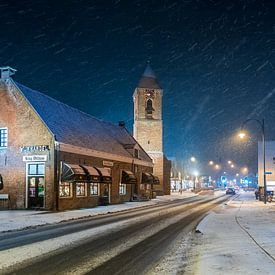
149, 79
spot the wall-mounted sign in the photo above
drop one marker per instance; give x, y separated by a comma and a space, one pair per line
34, 148
108, 163
35, 158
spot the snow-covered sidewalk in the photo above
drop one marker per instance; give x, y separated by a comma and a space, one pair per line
237, 238
20, 219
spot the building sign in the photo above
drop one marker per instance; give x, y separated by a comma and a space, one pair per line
34, 148
35, 158
108, 163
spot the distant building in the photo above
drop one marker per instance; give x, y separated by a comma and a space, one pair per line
269, 165
53, 156
148, 128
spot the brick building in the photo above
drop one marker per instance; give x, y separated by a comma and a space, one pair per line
148, 128
53, 156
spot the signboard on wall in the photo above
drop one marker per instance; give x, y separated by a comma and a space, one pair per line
35, 158
108, 163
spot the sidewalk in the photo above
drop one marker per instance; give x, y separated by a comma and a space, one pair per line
237, 238
20, 219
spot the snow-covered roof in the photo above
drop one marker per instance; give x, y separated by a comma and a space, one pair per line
149, 79
74, 127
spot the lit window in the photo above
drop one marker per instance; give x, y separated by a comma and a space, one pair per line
122, 189
80, 189
3, 137
94, 189
65, 189
142, 187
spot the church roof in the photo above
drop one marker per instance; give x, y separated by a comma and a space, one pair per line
74, 127
149, 79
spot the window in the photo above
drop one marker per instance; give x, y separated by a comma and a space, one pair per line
136, 153
65, 190
3, 138
149, 107
36, 169
94, 189
122, 189
142, 187
80, 189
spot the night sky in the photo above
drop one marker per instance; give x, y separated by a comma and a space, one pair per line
214, 59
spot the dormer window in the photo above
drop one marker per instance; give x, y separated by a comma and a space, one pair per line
149, 107
136, 153
3, 138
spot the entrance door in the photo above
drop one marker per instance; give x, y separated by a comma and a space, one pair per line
36, 184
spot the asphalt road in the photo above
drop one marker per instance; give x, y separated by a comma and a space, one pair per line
131, 249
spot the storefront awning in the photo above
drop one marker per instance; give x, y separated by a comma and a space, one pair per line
156, 180
92, 173
128, 177
73, 173
147, 178
105, 174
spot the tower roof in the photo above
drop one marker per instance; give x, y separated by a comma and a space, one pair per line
149, 79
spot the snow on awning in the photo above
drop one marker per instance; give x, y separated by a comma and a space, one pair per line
128, 177
73, 173
147, 178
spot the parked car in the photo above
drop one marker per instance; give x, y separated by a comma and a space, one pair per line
230, 191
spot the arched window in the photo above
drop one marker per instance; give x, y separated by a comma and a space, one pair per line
149, 107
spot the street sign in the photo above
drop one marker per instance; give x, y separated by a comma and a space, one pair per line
268, 173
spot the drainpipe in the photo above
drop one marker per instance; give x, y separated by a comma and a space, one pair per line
57, 172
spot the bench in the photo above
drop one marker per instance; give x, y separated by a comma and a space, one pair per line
4, 201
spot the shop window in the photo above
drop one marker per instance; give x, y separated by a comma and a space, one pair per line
3, 138
148, 186
36, 169
65, 190
94, 189
80, 189
122, 189
142, 187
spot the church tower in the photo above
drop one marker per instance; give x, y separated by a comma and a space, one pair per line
148, 126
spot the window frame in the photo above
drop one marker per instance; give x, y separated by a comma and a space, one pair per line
4, 140
85, 189
122, 189
70, 188
92, 194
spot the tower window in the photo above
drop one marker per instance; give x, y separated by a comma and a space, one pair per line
149, 107
3, 137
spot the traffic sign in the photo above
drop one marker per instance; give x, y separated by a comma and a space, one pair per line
268, 173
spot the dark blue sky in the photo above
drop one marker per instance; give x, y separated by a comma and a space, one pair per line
215, 60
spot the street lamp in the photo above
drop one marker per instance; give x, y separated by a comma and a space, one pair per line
193, 159
242, 135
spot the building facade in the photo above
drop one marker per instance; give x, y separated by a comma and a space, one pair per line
148, 126
269, 165
53, 156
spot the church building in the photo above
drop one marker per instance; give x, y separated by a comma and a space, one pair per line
148, 126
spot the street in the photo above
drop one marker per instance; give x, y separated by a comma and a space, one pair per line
130, 242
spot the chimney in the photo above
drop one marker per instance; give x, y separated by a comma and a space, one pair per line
121, 124
6, 72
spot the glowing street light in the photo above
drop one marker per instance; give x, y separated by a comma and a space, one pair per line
217, 166
232, 165
242, 135
211, 162
237, 174
193, 159
229, 162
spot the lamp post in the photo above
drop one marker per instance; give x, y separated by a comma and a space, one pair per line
242, 135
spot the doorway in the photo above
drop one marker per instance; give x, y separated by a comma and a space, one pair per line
35, 185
